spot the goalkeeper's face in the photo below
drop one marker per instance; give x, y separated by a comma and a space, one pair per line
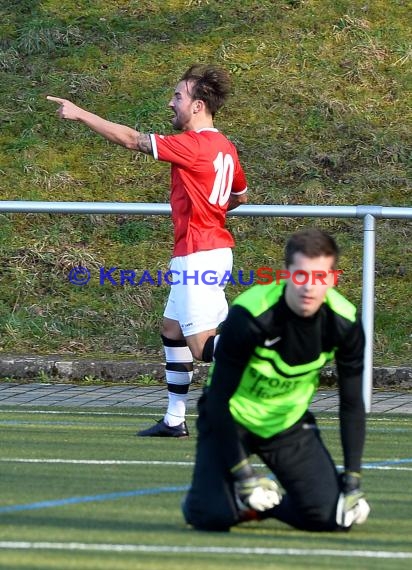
309, 281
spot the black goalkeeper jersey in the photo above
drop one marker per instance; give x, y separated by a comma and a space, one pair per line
268, 362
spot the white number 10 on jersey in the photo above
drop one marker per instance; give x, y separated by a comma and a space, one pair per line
222, 186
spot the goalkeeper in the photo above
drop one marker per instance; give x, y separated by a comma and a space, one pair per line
272, 347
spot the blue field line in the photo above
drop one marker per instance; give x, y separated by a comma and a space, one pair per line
91, 498
144, 492
386, 463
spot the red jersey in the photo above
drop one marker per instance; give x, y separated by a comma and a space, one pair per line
205, 170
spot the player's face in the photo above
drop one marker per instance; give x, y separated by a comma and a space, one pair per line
182, 105
309, 281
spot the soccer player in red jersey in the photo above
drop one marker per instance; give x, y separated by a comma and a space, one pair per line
207, 180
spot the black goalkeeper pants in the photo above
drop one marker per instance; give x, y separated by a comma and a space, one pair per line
298, 459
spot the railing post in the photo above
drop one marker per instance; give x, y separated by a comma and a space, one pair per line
368, 304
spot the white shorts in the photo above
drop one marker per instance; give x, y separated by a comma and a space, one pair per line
197, 299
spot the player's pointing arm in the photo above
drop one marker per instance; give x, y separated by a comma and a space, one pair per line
113, 132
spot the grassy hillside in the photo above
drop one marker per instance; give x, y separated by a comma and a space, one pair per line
320, 114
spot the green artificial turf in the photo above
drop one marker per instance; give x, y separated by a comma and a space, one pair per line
88, 534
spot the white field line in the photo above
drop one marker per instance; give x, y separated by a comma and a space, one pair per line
100, 425
394, 467
96, 461
134, 414
143, 413
125, 548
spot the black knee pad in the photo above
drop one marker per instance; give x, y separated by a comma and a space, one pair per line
170, 342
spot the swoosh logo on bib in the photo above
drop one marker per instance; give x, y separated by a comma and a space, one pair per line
271, 341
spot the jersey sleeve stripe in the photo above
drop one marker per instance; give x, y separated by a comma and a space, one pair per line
154, 147
239, 193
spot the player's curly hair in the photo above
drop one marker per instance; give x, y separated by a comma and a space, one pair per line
311, 242
210, 84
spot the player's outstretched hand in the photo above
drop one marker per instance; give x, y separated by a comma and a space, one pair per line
67, 109
352, 507
258, 493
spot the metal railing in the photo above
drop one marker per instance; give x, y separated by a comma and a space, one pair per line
369, 214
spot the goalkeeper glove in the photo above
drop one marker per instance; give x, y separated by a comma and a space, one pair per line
352, 507
258, 493
252, 492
